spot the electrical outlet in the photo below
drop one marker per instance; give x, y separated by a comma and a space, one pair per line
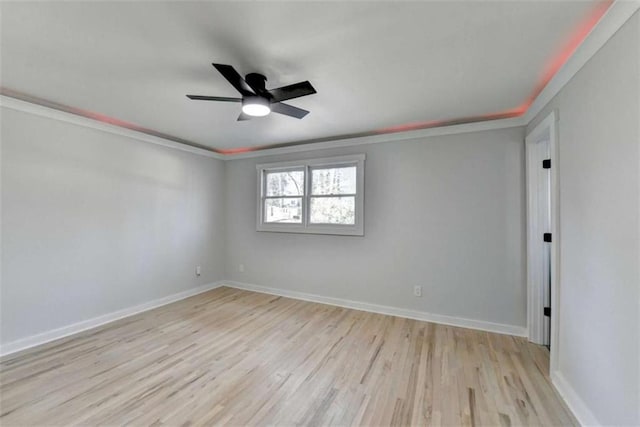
241, 268
417, 291
198, 270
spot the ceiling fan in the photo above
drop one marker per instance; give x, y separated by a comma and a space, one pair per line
257, 101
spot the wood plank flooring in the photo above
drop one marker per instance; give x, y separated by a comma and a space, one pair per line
240, 358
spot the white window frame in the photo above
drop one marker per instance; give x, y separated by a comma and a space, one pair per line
356, 229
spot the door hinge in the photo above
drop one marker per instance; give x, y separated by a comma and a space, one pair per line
547, 311
546, 164
547, 237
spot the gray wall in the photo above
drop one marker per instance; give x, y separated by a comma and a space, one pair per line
599, 178
93, 222
447, 213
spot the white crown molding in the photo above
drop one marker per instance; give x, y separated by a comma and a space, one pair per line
612, 20
65, 331
52, 113
580, 409
387, 137
384, 309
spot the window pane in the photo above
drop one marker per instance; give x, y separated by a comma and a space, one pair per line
340, 180
333, 210
289, 183
283, 210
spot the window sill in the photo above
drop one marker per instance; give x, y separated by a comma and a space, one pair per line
334, 230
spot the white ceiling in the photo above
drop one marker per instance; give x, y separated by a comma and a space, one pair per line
375, 65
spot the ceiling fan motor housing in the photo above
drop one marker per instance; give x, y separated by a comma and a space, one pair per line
257, 82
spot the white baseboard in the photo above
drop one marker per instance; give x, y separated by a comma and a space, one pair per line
580, 409
383, 309
52, 335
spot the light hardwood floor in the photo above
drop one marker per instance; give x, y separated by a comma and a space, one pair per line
242, 358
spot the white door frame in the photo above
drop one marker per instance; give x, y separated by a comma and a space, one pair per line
545, 130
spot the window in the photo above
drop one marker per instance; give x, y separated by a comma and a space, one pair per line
283, 199
321, 196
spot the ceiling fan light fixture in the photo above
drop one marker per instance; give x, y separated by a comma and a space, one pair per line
256, 106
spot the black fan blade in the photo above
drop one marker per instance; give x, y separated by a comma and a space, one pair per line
232, 76
288, 110
243, 117
292, 91
214, 98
